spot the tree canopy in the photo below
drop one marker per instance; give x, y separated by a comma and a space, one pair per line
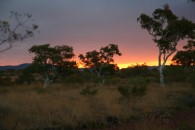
51, 60
95, 59
101, 62
186, 57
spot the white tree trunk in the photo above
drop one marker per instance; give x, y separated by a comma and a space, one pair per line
46, 82
162, 64
162, 83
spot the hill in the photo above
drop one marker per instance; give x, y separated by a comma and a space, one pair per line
17, 67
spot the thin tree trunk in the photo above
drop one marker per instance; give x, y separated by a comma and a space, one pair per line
162, 83
46, 83
160, 66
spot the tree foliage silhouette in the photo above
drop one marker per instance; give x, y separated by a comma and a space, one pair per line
167, 30
101, 62
49, 61
186, 57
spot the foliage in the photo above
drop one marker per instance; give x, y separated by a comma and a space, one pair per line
5, 81
175, 74
10, 34
186, 58
101, 62
89, 91
26, 76
167, 30
184, 100
131, 91
135, 70
49, 61
95, 58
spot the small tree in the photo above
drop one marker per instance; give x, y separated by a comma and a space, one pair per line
186, 58
10, 34
101, 62
49, 61
167, 30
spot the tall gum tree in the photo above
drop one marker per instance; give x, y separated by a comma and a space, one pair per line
167, 30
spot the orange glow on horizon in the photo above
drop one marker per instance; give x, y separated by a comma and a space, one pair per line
125, 65
151, 63
120, 65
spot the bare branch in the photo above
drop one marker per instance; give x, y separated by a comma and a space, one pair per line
9, 35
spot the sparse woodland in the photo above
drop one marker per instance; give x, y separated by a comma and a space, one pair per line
54, 94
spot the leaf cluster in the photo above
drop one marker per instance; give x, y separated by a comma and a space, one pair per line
185, 57
166, 28
96, 59
57, 56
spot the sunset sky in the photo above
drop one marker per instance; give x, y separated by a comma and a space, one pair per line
87, 25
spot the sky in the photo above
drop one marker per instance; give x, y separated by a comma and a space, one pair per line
88, 25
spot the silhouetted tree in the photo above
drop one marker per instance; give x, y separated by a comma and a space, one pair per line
101, 62
167, 30
10, 34
48, 61
186, 58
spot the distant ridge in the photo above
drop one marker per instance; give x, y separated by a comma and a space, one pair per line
22, 66
16, 67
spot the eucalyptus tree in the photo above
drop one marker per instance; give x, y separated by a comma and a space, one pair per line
167, 30
101, 62
48, 61
10, 33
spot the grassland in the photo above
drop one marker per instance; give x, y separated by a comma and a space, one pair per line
62, 106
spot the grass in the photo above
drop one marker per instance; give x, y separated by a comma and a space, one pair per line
62, 106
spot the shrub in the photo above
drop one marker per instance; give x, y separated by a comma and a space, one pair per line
89, 91
6, 81
80, 77
25, 78
127, 91
124, 91
135, 70
174, 74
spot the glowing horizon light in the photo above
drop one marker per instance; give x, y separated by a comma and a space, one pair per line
150, 63
125, 65
120, 65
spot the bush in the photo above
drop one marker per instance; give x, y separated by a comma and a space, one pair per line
124, 91
136, 70
89, 91
127, 91
174, 74
25, 78
80, 78
5, 81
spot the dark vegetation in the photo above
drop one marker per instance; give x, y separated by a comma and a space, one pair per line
53, 93
77, 100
